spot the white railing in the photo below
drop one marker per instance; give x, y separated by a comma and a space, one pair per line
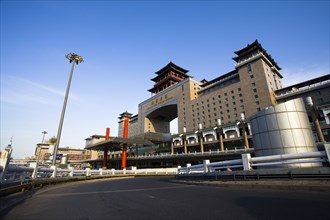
247, 163
15, 173
100, 172
195, 153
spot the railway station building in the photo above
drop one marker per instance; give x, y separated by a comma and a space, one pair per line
213, 114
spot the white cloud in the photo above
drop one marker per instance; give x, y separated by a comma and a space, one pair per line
24, 92
294, 75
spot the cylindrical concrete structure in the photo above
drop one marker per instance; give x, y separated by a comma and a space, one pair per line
283, 129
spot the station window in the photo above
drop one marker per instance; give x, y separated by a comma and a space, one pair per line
249, 67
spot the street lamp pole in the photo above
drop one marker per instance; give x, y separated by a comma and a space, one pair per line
74, 59
43, 137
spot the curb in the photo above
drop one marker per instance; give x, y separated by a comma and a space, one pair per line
317, 185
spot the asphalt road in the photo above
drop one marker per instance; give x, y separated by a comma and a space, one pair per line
157, 198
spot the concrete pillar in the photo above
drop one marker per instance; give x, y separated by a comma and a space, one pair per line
172, 148
88, 171
222, 148
246, 161
205, 164
327, 151
315, 119
35, 169
184, 143
54, 171
71, 171
188, 167
246, 141
237, 131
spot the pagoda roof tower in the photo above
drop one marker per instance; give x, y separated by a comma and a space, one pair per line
124, 115
168, 76
251, 49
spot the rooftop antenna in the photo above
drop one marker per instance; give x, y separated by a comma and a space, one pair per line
11, 141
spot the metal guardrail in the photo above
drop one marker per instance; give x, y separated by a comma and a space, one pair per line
17, 173
247, 163
68, 175
233, 176
54, 172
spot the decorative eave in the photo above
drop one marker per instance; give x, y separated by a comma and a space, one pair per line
248, 48
125, 114
170, 72
169, 66
322, 80
255, 47
260, 55
204, 81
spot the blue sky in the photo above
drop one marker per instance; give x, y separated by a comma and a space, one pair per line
123, 44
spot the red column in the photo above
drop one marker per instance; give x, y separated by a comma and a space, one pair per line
105, 152
124, 153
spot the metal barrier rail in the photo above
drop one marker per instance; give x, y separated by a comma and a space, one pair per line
230, 176
58, 172
247, 162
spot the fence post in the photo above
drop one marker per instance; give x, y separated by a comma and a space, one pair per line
246, 161
205, 164
177, 170
71, 171
113, 171
35, 169
88, 171
188, 167
101, 173
327, 151
54, 171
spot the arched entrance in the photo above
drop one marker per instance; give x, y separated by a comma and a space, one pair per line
158, 120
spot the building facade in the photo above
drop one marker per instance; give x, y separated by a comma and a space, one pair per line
73, 155
247, 89
214, 115
253, 85
318, 89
